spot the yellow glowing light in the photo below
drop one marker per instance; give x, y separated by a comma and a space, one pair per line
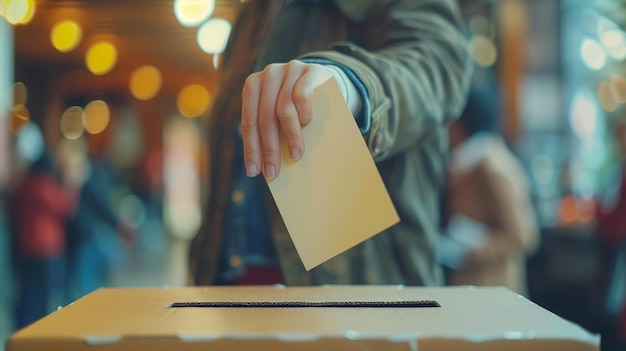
145, 82
72, 123
213, 35
193, 101
18, 11
101, 58
483, 50
19, 117
66, 36
20, 94
191, 13
96, 117
30, 12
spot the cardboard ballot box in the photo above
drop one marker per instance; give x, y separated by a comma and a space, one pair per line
303, 318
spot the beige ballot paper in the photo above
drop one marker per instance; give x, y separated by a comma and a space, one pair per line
333, 197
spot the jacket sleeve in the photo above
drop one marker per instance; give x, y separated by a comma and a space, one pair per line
413, 61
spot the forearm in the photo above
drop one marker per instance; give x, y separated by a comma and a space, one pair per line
416, 71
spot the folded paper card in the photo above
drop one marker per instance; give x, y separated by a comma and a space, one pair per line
333, 197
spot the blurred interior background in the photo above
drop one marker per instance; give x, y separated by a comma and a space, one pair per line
123, 87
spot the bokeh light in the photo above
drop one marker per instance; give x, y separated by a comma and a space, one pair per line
583, 116
20, 94
614, 42
213, 35
605, 97
19, 118
66, 35
72, 123
193, 101
29, 142
592, 54
483, 51
96, 117
191, 13
18, 11
618, 88
101, 58
145, 82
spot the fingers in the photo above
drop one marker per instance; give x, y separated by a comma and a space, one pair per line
278, 98
302, 95
249, 125
269, 127
287, 112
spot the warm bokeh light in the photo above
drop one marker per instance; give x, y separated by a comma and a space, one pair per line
145, 82
20, 94
101, 58
96, 117
191, 13
193, 101
605, 97
483, 50
569, 210
592, 54
618, 88
66, 36
72, 123
213, 35
19, 118
18, 11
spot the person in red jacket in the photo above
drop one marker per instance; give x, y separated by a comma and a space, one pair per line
39, 207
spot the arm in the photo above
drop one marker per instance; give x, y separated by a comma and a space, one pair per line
419, 48
415, 69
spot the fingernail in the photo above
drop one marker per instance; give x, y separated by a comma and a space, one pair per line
295, 153
270, 171
251, 169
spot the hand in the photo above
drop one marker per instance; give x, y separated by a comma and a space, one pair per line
278, 98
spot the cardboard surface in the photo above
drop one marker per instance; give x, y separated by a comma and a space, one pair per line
333, 197
139, 319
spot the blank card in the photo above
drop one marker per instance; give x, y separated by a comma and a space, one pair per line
333, 197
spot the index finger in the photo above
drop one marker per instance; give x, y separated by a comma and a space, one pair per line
249, 125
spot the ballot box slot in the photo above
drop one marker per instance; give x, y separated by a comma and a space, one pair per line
303, 304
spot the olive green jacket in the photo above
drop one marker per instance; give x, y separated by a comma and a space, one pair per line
412, 57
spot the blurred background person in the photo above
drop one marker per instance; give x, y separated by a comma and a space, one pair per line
491, 226
40, 204
97, 235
